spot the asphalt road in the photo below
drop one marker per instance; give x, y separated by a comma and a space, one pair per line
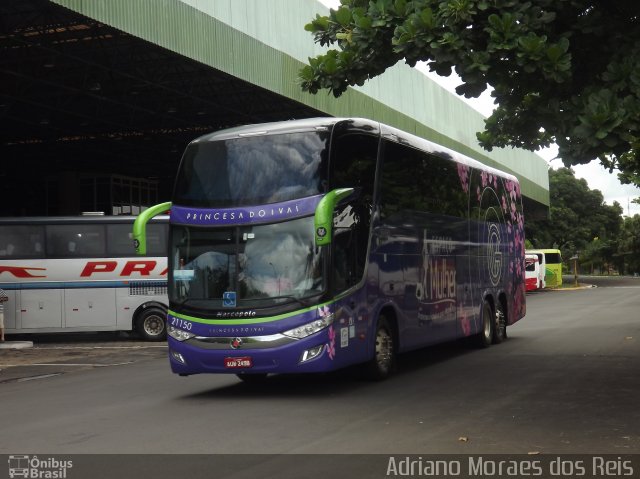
566, 381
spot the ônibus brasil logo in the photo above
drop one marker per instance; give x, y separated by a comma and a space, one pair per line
38, 468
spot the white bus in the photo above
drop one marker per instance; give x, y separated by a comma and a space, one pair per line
70, 274
534, 275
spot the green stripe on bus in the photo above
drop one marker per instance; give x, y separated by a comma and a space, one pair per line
236, 322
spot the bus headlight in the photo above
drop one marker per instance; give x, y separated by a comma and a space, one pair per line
179, 334
310, 328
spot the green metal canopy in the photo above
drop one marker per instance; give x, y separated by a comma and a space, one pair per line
121, 86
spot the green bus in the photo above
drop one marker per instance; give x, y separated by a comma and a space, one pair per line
551, 263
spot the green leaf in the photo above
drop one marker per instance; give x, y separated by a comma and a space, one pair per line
330, 65
532, 44
318, 24
400, 6
427, 17
306, 73
503, 24
556, 51
344, 36
343, 16
362, 22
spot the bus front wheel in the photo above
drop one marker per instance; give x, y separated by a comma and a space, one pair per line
383, 362
151, 324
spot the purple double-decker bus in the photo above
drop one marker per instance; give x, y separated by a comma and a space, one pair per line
311, 245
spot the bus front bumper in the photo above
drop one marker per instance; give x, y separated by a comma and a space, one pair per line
251, 355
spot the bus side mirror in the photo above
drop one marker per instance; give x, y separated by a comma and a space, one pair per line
140, 226
323, 219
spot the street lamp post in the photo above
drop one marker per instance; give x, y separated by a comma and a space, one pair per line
574, 258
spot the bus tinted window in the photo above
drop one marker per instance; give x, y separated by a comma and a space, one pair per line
157, 240
417, 180
119, 242
353, 165
252, 170
21, 241
553, 258
75, 240
353, 162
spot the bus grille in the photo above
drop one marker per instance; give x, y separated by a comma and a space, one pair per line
148, 288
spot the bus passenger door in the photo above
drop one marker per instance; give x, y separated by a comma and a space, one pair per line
10, 308
41, 308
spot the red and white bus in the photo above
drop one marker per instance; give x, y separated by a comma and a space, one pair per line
534, 275
70, 274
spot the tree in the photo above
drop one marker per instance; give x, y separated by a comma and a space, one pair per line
579, 221
563, 71
629, 245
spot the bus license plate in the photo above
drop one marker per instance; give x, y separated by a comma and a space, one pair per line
243, 362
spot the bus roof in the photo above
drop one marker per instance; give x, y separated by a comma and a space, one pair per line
274, 128
328, 123
91, 219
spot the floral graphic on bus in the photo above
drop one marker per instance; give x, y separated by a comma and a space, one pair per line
324, 312
500, 225
331, 345
463, 173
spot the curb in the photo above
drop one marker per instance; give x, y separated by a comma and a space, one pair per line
575, 288
16, 344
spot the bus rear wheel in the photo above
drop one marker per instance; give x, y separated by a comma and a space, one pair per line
384, 359
485, 337
151, 324
500, 326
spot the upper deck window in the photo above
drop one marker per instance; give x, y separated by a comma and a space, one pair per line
252, 170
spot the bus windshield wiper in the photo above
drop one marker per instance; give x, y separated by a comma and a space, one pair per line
300, 301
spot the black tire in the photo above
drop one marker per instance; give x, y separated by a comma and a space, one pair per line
500, 325
253, 378
383, 363
151, 324
485, 337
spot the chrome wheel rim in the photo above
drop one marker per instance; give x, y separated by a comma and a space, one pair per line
153, 325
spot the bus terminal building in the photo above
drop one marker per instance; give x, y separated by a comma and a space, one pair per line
99, 98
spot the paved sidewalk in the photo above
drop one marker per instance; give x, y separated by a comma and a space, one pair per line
46, 360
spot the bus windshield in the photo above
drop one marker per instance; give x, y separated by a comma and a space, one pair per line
262, 264
252, 170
